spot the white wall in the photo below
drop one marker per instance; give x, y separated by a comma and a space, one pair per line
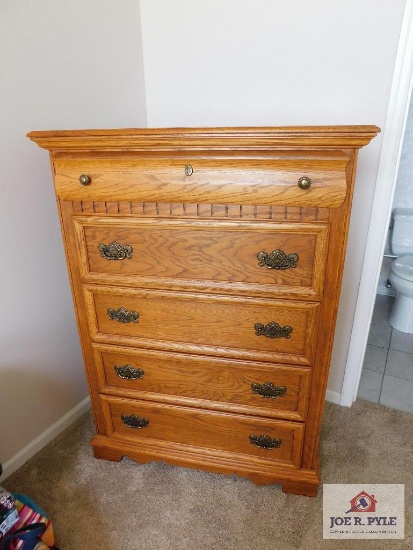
64, 65
403, 196
271, 62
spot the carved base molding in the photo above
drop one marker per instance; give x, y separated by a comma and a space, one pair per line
258, 471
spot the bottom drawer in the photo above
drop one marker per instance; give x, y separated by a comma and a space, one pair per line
262, 438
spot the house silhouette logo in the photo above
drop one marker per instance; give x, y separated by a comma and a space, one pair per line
363, 502
345, 507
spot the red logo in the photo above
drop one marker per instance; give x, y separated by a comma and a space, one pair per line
363, 502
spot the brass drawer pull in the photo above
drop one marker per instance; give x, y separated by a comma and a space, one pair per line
115, 251
134, 421
273, 330
264, 441
304, 182
277, 259
123, 315
127, 372
188, 170
85, 180
268, 390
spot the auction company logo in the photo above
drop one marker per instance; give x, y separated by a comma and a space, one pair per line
363, 502
377, 513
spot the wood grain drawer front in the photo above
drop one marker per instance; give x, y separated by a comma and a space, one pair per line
282, 259
220, 325
212, 181
262, 389
207, 429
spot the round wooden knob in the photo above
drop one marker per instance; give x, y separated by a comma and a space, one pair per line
304, 182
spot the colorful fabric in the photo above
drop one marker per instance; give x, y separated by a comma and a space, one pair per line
28, 516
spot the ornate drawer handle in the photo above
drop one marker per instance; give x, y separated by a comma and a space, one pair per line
84, 179
304, 182
268, 390
127, 372
277, 259
273, 330
134, 421
123, 315
264, 441
188, 170
115, 251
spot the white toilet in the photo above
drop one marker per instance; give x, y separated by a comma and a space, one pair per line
401, 274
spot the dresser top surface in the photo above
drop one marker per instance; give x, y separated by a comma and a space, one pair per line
220, 138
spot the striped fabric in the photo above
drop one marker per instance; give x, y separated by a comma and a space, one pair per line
27, 516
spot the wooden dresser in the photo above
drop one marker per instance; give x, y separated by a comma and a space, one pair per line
206, 266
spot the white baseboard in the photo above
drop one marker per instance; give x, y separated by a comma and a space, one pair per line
333, 397
44, 438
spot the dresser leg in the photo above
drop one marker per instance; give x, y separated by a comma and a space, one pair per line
299, 488
108, 454
105, 449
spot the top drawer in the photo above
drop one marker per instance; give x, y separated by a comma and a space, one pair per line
272, 181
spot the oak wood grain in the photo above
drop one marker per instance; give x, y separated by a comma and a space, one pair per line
220, 181
202, 211
223, 325
191, 253
199, 292
212, 140
225, 384
202, 428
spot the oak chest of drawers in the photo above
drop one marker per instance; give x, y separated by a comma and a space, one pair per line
205, 266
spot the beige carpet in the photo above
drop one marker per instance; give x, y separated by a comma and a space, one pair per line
97, 504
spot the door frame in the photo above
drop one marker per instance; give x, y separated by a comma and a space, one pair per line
393, 135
